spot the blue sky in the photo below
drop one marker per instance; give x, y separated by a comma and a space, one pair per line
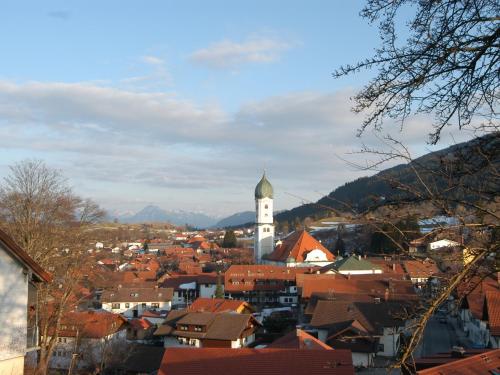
183, 103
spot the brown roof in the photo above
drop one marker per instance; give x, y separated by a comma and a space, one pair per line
22, 256
373, 317
297, 245
484, 363
168, 324
220, 326
299, 339
138, 295
217, 361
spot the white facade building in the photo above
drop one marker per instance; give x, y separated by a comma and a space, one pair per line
18, 323
264, 227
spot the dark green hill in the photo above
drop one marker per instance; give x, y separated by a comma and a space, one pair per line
460, 171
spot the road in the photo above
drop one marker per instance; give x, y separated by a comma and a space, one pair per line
438, 338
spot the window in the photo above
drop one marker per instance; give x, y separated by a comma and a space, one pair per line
127, 305
115, 306
266, 206
155, 305
184, 328
380, 347
198, 328
143, 305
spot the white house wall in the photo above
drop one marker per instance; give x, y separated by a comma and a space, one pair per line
129, 311
13, 313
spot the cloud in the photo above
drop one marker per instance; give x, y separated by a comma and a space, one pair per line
228, 54
59, 14
114, 141
153, 60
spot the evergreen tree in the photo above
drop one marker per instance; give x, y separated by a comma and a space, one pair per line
219, 292
229, 239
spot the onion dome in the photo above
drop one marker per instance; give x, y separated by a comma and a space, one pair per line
264, 189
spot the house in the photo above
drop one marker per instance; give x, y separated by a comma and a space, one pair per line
133, 302
483, 363
208, 329
262, 284
19, 277
441, 244
366, 328
187, 288
220, 305
352, 265
299, 249
140, 330
420, 271
473, 312
216, 361
87, 338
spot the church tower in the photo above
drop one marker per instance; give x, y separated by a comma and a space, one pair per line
264, 228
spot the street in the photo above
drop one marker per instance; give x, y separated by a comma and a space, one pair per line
438, 338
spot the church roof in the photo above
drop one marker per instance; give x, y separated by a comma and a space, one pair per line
296, 245
264, 189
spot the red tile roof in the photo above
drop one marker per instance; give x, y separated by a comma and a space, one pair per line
375, 287
473, 291
219, 305
420, 269
141, 324
297, 245
298, 339
217, 361
485, 363
91, 324
22, 256
492, 300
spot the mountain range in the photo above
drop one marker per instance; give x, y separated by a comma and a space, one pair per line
155, 214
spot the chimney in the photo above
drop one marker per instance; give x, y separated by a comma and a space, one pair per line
457, 352
393, 267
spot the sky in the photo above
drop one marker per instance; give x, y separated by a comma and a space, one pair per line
183, 104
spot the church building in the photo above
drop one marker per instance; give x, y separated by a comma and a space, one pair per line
298, 249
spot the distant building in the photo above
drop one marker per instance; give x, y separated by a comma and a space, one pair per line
133, 302
264, 227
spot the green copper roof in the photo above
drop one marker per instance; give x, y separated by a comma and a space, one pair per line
264, 189
353, 263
